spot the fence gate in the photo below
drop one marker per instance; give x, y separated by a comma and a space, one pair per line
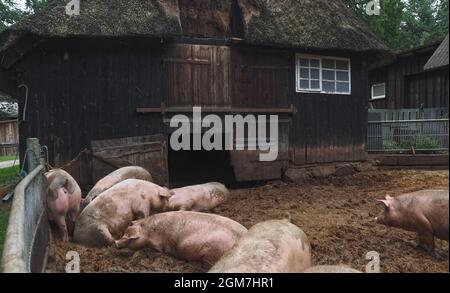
149, 152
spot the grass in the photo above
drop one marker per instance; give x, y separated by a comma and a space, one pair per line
7, 158
9, 176
4, 216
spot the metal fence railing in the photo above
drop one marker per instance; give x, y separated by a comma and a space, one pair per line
427, 135
27, 236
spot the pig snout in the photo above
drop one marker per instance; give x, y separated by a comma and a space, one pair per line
122, 243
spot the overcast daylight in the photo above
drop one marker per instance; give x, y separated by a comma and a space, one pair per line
192, 139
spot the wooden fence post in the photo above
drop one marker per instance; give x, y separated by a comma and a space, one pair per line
33, 154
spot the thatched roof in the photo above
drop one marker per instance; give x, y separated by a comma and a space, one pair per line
439, 58
311, 24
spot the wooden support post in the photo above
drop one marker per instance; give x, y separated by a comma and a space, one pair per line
33, 154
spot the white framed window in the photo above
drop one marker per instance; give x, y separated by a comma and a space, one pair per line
320, 74
378, 91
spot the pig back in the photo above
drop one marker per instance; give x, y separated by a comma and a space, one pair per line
132, 172
434, 205
268, 247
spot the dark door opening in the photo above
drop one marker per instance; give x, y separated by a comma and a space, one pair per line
198, 167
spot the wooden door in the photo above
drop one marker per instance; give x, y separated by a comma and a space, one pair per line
149, 152
197, 75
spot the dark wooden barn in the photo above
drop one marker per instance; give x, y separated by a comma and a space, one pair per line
110, 79
416, 78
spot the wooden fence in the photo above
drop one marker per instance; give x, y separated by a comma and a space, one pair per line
9, 138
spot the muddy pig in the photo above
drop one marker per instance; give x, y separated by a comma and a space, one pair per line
109, 215
331, 270
424, 212
63, 198
114, 178
189, 236
270, 247
198, 198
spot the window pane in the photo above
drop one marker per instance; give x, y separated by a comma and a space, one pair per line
379, 90
342, 75
304, 73
342, 87
315, 84
315, 73
304, 62
304, 84
342, 65
328, 63
328, 74
315, 63
328, 87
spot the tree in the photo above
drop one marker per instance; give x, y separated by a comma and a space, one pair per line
9, 13
406, 24
36, 5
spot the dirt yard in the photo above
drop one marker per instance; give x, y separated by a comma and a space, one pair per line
337, 215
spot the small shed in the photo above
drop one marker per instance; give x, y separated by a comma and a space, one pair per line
110, 79
416, 78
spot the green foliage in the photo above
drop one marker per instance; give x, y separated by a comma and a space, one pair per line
9, 176
10, 12
406, 24
419, 142
4, 216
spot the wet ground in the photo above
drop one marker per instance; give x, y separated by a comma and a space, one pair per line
337, 214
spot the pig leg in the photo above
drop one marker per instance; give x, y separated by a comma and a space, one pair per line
62, 228
106, 236
425, 236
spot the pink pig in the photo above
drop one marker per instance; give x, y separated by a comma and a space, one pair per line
424, 212
132, 172
198, 198
189, 236
63, 202
106, 218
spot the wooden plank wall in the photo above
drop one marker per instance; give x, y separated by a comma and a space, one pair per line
408, 86
260, 78
9, 138
197, 75
82, 90
331, 128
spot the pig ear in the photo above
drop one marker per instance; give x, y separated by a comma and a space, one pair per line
385, 202
165, 193
66, 183
388, 197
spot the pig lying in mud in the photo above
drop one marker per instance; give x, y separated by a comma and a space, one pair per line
190, 236
331, 270
114, 178
109, 215
198, 198
63, 198
270, 247
424, 212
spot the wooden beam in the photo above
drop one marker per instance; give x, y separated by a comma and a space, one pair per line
164, 110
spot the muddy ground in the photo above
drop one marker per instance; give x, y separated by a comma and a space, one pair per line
337, 215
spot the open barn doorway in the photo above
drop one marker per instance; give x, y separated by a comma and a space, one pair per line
198, 167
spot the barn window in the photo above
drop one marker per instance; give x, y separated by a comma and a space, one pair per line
378, 91
328, 75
